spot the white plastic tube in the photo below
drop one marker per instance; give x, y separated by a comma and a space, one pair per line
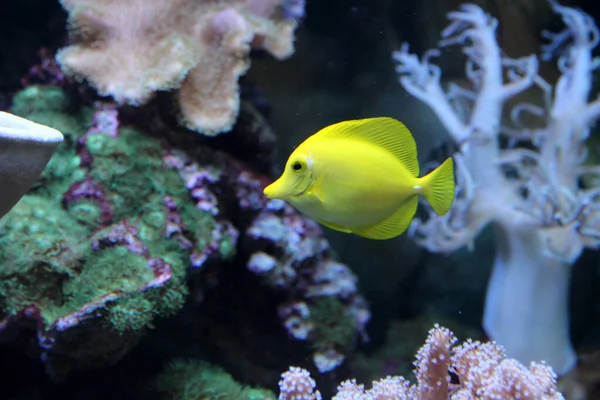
25, 149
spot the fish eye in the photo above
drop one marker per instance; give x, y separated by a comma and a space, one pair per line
298, 166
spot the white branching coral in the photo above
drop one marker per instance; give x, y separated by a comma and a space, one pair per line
130, 49
523, 179
470, 371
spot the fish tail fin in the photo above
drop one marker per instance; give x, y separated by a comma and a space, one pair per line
438, 187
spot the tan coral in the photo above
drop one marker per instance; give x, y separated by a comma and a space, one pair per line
432, 364
484, 372
129, 49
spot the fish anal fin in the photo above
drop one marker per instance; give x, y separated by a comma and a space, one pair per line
335, 227
387, 133
394, 225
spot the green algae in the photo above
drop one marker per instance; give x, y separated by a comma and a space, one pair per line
107, 271
41, 247
194, 379
332, 324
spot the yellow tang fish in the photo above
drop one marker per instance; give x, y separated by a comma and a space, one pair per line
361, 177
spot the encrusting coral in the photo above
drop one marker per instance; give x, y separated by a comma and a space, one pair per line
470, 371
129, 49
526, 177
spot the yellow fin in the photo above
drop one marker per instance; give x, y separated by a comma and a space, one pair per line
387, 133
393, 226
438, 187
335, 227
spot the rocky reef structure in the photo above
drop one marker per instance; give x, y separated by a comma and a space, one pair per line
471, 370
107, 240
526, 175
289, 254
131, 49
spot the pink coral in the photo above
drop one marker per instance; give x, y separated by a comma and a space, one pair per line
296, 384
432, 363
130, 49
485, 372
482, 371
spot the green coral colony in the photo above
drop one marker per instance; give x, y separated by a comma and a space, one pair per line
46, 251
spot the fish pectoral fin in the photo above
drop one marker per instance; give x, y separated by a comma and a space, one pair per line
394, 225
335, 227
315, 193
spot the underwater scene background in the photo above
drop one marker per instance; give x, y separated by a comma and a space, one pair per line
140, 258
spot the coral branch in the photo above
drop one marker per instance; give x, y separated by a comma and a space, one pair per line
522, 73
422, 80
530, 190
592, 113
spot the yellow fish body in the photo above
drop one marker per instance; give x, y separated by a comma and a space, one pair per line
361, 177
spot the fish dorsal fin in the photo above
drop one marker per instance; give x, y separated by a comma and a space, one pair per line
387, 133
394, 225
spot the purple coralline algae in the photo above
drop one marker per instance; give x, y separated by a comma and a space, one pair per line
290, 253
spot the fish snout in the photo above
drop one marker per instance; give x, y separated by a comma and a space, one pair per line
271, 191
279, 189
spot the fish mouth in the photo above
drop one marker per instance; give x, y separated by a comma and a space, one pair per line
272, 191
268, 191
